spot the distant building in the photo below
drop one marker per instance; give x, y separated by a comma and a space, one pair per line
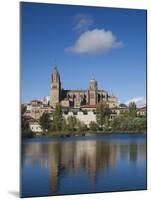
78, 98
32, 123
78, 103
86, 118
36, 108
142, 111
46, 100
35, 127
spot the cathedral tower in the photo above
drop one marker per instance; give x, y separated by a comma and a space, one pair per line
55, 87
93, 92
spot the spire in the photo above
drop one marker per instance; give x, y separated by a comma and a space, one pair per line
93, 77
55, 76
55, 69
54, 66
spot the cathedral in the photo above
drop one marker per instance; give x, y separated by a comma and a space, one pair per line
89, 97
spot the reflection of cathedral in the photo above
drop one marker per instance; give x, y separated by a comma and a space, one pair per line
78, 98
90, 157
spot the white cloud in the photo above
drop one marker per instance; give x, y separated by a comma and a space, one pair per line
140, 101
82, 22
94, 41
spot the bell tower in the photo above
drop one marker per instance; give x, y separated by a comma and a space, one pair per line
55, 87
93, 92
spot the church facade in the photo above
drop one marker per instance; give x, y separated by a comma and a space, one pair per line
88, 98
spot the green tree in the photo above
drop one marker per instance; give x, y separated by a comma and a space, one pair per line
23, 109
132, 109
106, 123
72, 122
57, 118
25, 130
128, 123
140, 123
64, 125
45, 122
81, 127
102, 111
115, 123
93, 126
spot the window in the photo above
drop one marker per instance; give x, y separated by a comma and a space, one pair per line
54, 87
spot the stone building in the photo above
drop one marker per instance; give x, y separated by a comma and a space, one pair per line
78, 98
36, 108
35, 126
78, 103
142, 111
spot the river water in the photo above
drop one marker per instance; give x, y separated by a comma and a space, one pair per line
83, 164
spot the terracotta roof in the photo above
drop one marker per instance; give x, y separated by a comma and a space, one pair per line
110, 101
119, 108
38, 101
88, 106
68, 91
30, 119
142, 108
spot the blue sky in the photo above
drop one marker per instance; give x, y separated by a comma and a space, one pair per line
108, 44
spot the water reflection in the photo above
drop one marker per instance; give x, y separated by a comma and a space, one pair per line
93, 157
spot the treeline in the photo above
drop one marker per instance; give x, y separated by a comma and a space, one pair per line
59, 125
25, 130
125, 122
56, 125
129, 124
130, 121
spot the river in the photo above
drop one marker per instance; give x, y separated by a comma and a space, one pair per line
83, 164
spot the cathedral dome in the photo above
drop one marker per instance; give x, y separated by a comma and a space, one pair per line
93, 80
93, 84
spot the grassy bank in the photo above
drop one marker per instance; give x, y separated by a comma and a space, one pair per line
83, 133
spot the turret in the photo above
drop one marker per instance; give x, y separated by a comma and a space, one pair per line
93, 92
55, 87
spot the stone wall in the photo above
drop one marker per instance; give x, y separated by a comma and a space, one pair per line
85, 118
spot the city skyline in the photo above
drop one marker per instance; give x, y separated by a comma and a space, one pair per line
106, 43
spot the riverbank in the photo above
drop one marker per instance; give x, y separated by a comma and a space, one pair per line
87, 133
